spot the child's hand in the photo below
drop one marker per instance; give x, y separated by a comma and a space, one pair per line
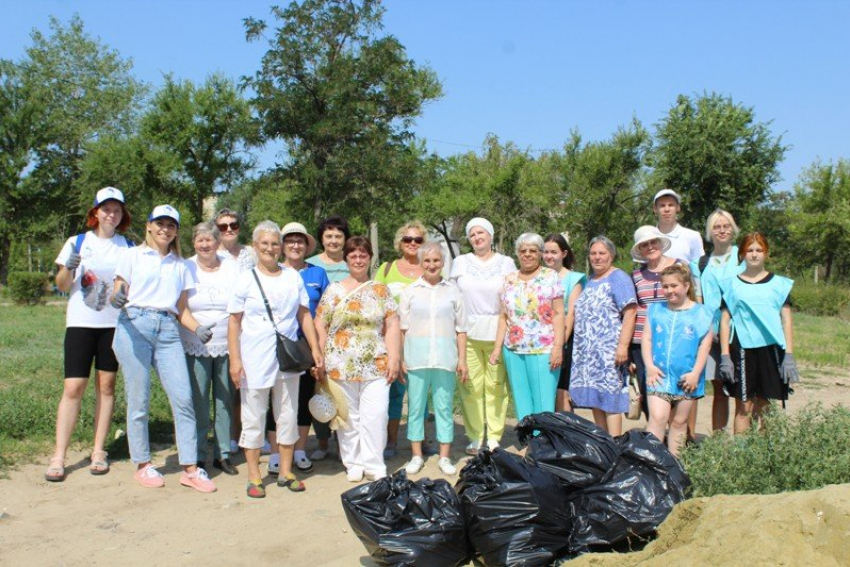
689, 382
653, 375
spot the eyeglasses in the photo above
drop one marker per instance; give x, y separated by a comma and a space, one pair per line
294, 242
225, 225
409, 239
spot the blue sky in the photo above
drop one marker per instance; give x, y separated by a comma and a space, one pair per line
531, 71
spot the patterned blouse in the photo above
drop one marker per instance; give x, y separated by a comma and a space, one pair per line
355, 350
529, 310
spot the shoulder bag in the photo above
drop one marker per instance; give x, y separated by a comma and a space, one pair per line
292, 356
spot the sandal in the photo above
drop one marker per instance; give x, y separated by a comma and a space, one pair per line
99, 464
256, 489
55, 473
292, 483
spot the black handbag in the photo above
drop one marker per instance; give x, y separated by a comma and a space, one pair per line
292, 356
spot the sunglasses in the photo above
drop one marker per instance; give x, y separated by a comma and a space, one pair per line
409, 239
224, 226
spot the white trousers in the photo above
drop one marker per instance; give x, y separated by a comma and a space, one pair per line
255, 403
361, 444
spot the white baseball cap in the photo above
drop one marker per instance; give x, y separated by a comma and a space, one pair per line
165, 211
106, 194
667, 193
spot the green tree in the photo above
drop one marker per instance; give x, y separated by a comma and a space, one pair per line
715, 154
820, 218
343, 99
201, 134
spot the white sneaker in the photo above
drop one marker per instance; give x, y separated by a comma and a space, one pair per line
375, 476
492, 444
274, 465
472, 448
447, 467
267, 448
415, 465
319, 455
354, 474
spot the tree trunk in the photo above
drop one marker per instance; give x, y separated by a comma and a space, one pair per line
5, 249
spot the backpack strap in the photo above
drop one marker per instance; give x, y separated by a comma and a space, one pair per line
702, 264
78, 244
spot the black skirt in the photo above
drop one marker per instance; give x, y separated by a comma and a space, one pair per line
757, 373
566, 366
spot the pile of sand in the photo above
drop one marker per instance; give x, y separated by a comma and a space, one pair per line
794, 528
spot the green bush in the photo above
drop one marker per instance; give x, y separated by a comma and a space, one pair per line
803, 452
27, 288
823, 300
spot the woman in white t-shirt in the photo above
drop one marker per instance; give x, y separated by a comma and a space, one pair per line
208, 363
480, 276
152, 283
254, 368
86, 268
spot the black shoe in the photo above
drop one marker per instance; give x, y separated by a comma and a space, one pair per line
225, 466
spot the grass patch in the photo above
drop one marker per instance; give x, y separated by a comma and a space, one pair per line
821, 341
802, 452
31, 383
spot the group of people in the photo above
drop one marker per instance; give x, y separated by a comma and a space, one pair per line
552, 336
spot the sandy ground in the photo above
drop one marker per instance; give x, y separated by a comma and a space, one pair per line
89, 520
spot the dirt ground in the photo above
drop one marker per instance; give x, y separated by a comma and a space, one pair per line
90, 520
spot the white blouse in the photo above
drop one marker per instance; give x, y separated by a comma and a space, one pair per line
208, 305
480, 284
431, 316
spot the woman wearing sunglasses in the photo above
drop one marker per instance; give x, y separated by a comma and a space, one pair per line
397, 275
228, 223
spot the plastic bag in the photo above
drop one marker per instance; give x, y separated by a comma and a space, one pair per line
515, 512
645, 485
576, 450
408, 523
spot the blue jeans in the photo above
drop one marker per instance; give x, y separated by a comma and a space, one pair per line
146, 339
212, 373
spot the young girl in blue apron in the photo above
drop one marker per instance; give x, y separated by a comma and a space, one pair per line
676, 339
756, 361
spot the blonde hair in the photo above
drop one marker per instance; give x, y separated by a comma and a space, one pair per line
682, 272
173, 246
415, 224
712, 218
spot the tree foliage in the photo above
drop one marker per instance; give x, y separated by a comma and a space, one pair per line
715, 154
343, 98
819, 217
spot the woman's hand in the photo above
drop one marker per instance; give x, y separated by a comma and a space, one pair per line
495, 355
653, 375
393, 371
318, 370
688, 382
462, 371
237, 372
621, 356
556, 357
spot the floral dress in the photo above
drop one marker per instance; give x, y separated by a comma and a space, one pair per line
595, 381
528, 306
355, 349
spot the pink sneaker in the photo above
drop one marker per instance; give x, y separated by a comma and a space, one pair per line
149, 477
198, 480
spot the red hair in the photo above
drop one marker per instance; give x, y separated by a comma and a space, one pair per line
92, 222
749, 239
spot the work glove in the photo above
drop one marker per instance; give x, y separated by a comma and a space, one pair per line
204, 332
73, 261
119, 300
727, 369
788, 370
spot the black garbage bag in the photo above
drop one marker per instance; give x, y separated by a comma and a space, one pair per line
515, 512
646, 483
402, 522
576, 450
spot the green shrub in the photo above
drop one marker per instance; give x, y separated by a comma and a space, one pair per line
27, 288
824, 299
803, 452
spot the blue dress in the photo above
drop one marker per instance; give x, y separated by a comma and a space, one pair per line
676, 336
596, 382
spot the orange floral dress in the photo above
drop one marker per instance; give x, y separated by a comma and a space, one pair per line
355, 349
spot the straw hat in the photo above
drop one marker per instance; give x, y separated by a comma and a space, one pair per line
645, 234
